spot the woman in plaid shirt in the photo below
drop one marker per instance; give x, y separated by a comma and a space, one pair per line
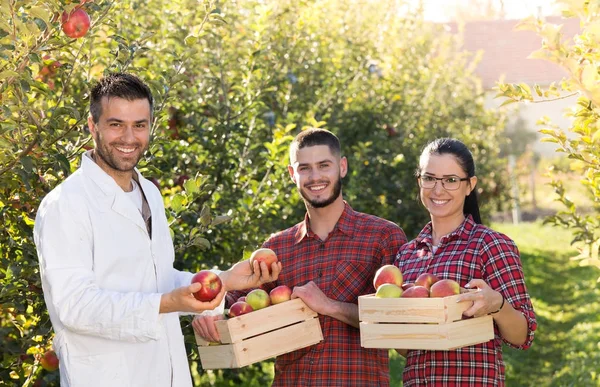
455, 245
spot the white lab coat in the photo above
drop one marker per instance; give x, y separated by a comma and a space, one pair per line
103, 278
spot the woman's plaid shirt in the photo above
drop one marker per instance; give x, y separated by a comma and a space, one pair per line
471, 251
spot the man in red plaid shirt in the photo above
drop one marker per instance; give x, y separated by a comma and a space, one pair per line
328, 259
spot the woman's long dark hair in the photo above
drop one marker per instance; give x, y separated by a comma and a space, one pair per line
463, 156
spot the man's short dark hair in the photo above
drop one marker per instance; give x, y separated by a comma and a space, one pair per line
313, 137
120, 85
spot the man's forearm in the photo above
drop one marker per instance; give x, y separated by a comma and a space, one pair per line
346, 312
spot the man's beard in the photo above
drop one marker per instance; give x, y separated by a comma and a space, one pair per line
337, 190
103, 151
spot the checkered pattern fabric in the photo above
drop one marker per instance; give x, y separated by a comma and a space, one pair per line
343, 267
471, 251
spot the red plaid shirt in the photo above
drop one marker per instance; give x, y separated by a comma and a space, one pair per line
343, 267
471, 251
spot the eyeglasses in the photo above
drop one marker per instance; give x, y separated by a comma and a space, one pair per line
450, 183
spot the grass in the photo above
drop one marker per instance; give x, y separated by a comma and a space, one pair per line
566, 298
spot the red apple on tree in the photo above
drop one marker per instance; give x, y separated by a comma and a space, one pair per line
258, 299
387, 274
281, 293
444, 288
49, 361
416, 292
426, 280
267, 256
211, 285
76, 23
239, 308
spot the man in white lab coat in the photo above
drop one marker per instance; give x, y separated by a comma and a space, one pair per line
106, 257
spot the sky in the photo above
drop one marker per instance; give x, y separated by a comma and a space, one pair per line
443, 10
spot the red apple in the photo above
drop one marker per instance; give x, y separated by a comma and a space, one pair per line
239, 308
426, 280
407, 285
416, 292
444, 288
75, 24
243, 298
267, 256
388, 291
211, 285
280, 294
49, 361
387, 274
258, 299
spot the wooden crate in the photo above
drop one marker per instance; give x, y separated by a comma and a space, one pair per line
420, 323
261, 335
411, 310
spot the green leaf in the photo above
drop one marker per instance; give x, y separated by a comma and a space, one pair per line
507, 102
205, 218
41, 13
8, 74
27, 164
190, 40
219, 219
190, 186
177, 202
216, 18
201, 242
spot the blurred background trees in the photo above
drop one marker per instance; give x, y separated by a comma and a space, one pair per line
234, 81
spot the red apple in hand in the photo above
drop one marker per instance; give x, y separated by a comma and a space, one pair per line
239, 308
280, 294
416, 292
49, 361
258, 299
426, 280
211, 285
75, 24
267, 256
444, 288
387, 274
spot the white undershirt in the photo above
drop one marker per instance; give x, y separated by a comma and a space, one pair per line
135, 195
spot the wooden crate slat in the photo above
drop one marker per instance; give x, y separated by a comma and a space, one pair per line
427, 336
278, 342
273, 317
411, 310
218, 356
261, 347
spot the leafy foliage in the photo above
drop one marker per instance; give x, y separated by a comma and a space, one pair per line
580, 59
233, 81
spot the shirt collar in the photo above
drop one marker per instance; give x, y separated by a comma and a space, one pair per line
345, 224
103, 180
462, 232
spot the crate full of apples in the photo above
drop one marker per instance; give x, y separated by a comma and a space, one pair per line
420, 315
261, 326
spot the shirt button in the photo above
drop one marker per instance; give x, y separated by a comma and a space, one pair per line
320, 273
311, 362
322, 246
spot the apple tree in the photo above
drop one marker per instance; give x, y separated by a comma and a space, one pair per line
579, 59
234, 81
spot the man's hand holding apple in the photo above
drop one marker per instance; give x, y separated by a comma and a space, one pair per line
243, 276
183, 300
